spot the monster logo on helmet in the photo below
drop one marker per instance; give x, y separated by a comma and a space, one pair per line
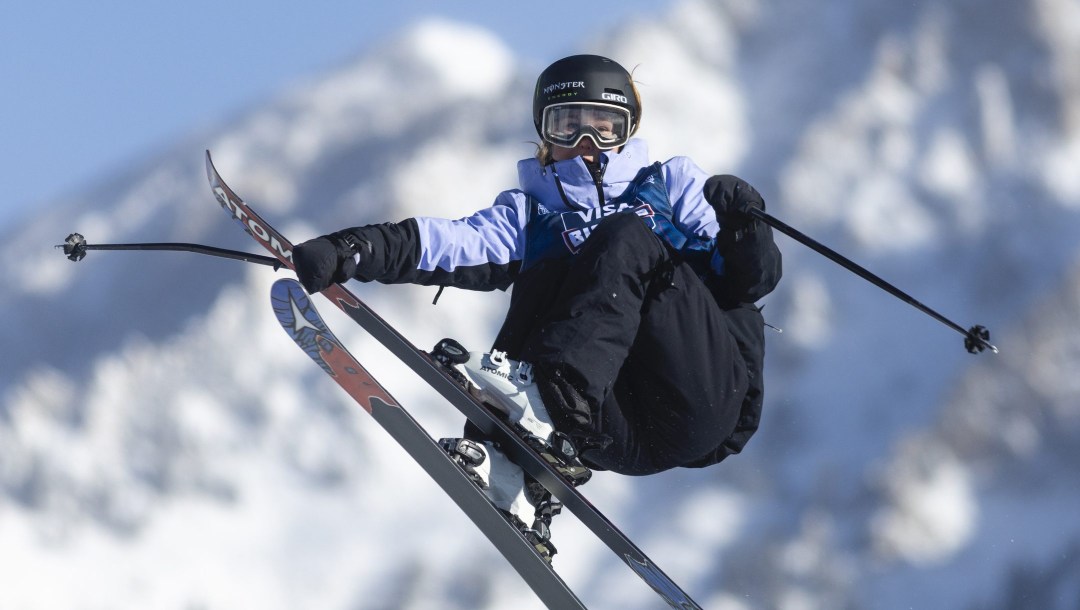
586, 96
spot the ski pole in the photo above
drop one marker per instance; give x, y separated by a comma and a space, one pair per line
976, 338
75, 248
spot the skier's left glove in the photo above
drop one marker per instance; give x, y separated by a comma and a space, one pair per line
326, 260
751, 262
732, 198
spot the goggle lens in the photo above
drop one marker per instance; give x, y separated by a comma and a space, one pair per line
608, 126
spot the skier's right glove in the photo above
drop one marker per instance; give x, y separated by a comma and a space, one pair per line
326, 260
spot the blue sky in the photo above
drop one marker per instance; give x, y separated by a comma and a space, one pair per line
88, 86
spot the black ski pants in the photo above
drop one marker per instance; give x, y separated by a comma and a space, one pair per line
632, 329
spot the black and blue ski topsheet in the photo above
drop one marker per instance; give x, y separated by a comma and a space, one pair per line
377, 401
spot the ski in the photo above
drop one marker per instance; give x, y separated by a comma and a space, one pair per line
302, 322
434, 374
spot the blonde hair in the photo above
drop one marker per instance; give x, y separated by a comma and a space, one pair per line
543, 153
543, 148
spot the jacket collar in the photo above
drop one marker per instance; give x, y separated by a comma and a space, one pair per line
620, 168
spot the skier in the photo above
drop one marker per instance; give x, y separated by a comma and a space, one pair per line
632, 343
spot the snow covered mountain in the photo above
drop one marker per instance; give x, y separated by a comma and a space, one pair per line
162, 445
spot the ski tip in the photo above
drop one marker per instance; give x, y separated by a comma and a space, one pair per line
211, 171
288, 286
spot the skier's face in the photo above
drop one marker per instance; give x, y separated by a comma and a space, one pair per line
586, 149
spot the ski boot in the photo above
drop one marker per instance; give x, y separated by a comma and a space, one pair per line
508, 387
524, 502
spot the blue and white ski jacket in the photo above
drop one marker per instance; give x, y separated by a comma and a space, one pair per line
552, 213
487, 250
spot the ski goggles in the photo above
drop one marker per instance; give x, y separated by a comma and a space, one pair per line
607, 125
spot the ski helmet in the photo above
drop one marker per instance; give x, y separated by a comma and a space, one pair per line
586, 96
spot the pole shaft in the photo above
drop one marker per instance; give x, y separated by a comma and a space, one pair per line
855, 268
196, 248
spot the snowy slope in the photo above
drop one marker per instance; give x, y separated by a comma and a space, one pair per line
163, 446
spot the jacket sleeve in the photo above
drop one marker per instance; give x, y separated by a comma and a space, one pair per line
692, 213
479, 252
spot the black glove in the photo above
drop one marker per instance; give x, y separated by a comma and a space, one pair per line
326, 260
752, 262
731, 198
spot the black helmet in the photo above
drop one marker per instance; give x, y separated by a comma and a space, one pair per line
591, 80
